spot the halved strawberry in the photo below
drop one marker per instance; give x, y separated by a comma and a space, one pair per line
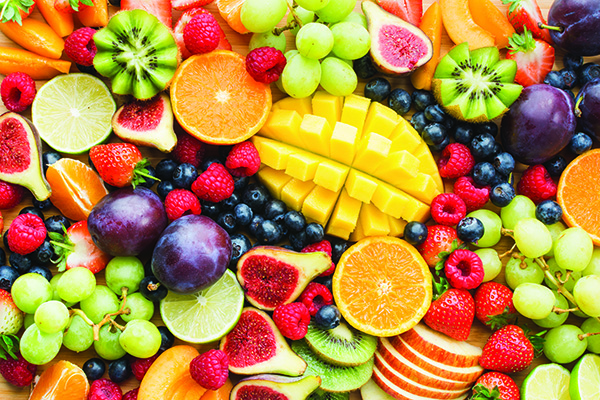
71, 6
527, 13
161, 9
11, 318
409, 10
534, 57
178, 32
183, 5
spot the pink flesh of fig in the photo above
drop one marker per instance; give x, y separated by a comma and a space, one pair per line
14, 147
259, 393
142, 115
264, 274
251, 341
400, 47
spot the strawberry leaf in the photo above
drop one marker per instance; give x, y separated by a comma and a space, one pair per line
63, 247
9, 9
513, 4
9, 346
521, 43
481, 392
440, 286
537, 341
498, 321
140, 173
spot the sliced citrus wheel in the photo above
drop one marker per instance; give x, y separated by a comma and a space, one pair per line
207, 315
546, 382
76, 188
216, 100
230, 11
577, 193
73, 112
382, 286
62, 381
585, 378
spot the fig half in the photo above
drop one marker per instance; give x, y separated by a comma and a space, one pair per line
266, 386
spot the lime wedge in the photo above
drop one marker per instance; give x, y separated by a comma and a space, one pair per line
546, 382
73, 112
207, 315
585, 378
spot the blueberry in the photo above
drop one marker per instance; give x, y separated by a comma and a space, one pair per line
418, 121
255, 224
556, 166
588, 72
497, 149
549, 212
483, 173
504, 163
94, 368
243, 214
165, 169
2, 256
164, 188
364, 67
314, 233
167, 340
256, 196
273, 208
227, 221
440, 146
240, 245
43, 254
152, 289
208, 162
487, 127
5, 239
464, 133
434, 113
49, 158
20, 262
43, 271
569, 78
326, 281
210, 209
8, 276
580, 143
32, 210
232, 201
572, 62
269, 232
240, 182
434, 133
328, 317
42, 205
298, 240
469, 230
554, 78
400, 101
502, 194
378, 89
338, 247
497, 179
415, 233
295, 221
149, 182
184, 175
422, 99
482, 146
119, 370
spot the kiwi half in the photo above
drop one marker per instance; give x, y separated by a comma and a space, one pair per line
342, 345
137, 52
475, 86
334, 378
323, 395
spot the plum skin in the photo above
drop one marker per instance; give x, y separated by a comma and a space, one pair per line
589, 106
192, 253
580, 23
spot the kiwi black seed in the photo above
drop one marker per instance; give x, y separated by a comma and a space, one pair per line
323, 395
342, 345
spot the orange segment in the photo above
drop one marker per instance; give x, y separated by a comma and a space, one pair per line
76, 188
216, 100
382, 286
230, 11
577, 193
62, 381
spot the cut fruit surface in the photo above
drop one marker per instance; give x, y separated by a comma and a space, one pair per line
432, 26
230, 11
61, 381
486, 14
400, 393
461, 27
371, 391
546, 382
585, 378
342, 345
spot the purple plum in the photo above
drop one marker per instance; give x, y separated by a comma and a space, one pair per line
539, 124
127, 221
588, 108
191, 254
576, 26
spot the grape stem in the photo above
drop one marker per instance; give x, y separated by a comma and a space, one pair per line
279, 31
108, 317
559, 276
586, 335
562, 311
561, 287
509, 252
507, 232
79, 312
290, 4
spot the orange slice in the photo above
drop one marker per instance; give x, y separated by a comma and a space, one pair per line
62, 381
382, 286
230, 11
76, 188
216, 100
577, 193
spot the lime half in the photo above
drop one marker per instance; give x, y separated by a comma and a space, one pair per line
73, 112
207, 315
546, 382
585, 378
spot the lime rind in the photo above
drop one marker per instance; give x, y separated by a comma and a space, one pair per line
546, 382
585, 378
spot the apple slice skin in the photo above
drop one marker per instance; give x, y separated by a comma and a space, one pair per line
400, 393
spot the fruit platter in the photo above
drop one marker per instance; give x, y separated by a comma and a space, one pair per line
299, 199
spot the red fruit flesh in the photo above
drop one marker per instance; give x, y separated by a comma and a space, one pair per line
259, 393
409, 10
141, 116
251, 341
14, 147
400, 47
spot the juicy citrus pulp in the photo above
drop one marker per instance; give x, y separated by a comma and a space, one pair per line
61, 381
585, 378
546, 382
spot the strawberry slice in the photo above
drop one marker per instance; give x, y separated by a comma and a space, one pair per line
161, 9
408, 10
183, 5
71, 6
534, 57
527, 14
178, 32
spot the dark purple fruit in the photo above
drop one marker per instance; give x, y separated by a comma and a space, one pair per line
576, 26
588, 108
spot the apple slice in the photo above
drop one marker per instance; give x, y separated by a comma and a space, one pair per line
401, 394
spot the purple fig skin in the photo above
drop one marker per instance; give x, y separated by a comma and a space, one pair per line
539, 124
589, 107
580, 24
191, 254
127, 221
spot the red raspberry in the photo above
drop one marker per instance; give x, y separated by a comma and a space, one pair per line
26, 233
537, 184
10, 195
448, 209
132, 394
494, 305
265, 64
17, 372
464, 269
210, 369
325, 247
189, 150
180, 202
215, 184
104, 389
140, 366
243, 160
456, 161
316, 296
292, 320
473, 196
80, 46
17, 91
202, 34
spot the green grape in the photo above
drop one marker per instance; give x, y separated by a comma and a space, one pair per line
29, 291
519, 208
577, 313
140, 338
491, 263
28, 320
573, 249
304, 16
314, 40
301, 76
357, 18
586, 295
103, 301
290, 54
593, 268
267, 39
562, 344
533, 301
336, 10
139, 307
38, 347
79, 336
555, 230
123, 272
107, 346
518, 272
532, 237
262, 15
312, 5
553, 320
491, 225
54, 284
350, 41
337, 77
52, 316
279, 85
592, 325
554, 268
76, 284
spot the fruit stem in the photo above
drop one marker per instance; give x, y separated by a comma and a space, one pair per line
561, 288
577, 103
550, 27
83, 316
587, 335
507, 232
279, 31
509, 252
290, 4
559, 276
116, 325
562, 311
108, 317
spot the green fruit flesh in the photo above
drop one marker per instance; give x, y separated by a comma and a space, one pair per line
342, 345
322, 395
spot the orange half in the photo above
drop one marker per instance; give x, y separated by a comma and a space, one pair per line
62, 381
230, 11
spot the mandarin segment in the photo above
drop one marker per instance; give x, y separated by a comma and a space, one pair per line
61, 381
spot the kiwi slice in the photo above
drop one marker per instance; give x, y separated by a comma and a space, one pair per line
342, 345
334, 378
475, 86
323, 395
137, 52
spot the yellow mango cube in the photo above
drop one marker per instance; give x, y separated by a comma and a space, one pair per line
281, 125
415, 211
272, 153
358, 233
273, 180
389, 200
294, 193
360, 186
398, 166
315, 133
345, 213
403, 139
327, 106
380, 119
396, 226
319, 204
422, 186
344, 141
373, 221
355, 111
428, 165
331, 175
301, 106
337, 232
372, 152
302, 165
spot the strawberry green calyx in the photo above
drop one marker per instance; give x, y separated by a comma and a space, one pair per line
521, 43
537, 341
140, 173
63, 247
10, 9
513, 4
498, 321
9, 346
75, 4
480, 392
440, 283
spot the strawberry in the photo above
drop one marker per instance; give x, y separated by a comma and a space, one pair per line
120, 164
71, 6
15, 10
182, 22
527, 13
77, 249
439, 239
452, 313
509, 350
534, 58
11, 318
408, 10
493, 304
161, 9
183, 5
495, 386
